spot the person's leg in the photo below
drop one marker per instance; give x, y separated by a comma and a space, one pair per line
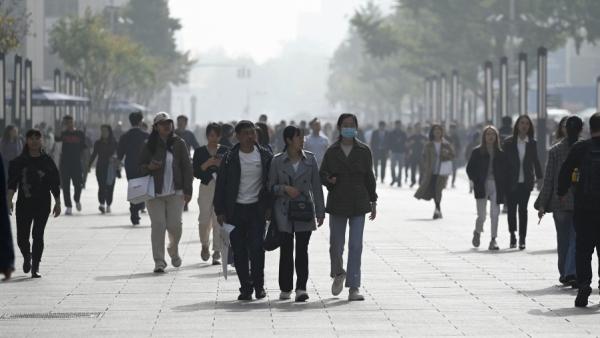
337, 239
413, 172
481, 214
570, 267
383, 166
204, 219
239, 240
101, 188
393, 164
24, 217
375, 163
454, 169
158, 224
302, 240
110, 190
286, 262
523, 203
40, 218
355, 246
562, 224
174, 211
77, 184
65, 182
494, 207
584, 249
401, 165
511, 209
256, 235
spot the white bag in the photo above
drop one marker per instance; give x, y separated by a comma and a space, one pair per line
446, 168
140, 189
225, 238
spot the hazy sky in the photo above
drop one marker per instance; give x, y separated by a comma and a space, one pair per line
258, 28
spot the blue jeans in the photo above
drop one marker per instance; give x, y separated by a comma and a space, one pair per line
337, 239
565, 237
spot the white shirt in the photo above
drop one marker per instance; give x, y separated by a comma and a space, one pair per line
437, 163
317, 145
168, 180
347, 148
250, 178
521, 147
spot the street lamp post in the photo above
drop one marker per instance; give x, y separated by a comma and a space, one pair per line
598, 94
2, 92
28, 91
522, 83
454, 96
434, 98
193, 102
503, 111
542, 113
489, 91
427, 99
16, 90
57, 108
443, 112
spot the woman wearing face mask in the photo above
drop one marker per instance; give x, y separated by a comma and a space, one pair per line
486, 169
166, 158
294, 177
433, 179
106, 171
347, 172
35, 176
561, 209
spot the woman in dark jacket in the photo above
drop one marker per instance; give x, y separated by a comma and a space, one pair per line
105, 150
35, 176
347, 172
487, 171
524, 169
7, 253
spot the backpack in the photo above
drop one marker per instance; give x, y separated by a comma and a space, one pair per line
589, 177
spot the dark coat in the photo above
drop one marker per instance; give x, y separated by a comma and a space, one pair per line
228, 182
380, 149
130, 147
477, 169
202, 155
532, 168
355, 188
7, 254
428, 159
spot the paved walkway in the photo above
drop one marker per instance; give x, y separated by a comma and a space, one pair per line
420, 278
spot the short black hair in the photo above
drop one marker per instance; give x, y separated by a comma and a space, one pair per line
213, 127
182, 117
33, 132
244, 124
67, 117
135, 118
595, 123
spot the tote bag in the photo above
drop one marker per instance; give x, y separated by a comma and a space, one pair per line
140, 189
446, 168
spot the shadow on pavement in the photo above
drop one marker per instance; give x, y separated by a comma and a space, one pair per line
279, 305
421, 220
127, 226
19, 279
567, 312
484, 251
542, 252
129, 276
552, 290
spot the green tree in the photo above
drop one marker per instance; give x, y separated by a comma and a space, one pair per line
111, 66
14, 24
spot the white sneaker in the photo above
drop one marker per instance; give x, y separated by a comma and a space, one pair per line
68, 211
78, 206
301, 296
354, 295
285, 295
338, 284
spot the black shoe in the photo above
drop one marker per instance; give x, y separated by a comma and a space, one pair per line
570, 280
400, 184
582, 296
562, 280
513, 241
260, 293
35, 268
135, 220
412, 185
102, 210
521, 243
245, 296
27, 265
392, 184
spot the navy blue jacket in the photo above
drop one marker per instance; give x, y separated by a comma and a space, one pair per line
130, 146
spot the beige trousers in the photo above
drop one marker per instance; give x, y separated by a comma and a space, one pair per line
165, 216
207, 220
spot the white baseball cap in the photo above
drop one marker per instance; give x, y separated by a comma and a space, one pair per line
161, 117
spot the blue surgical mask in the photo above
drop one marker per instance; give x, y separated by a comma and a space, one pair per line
348, 132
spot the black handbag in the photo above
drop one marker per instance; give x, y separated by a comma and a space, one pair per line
272, 239
301, 211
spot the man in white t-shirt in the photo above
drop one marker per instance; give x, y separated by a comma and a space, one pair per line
315, 142
243, 200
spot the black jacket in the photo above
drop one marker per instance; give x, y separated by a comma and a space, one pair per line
7, 254
532, 168
34, 177
477, 169
396, 139
228, 182
378, 148
202, 155
574, 160
130, 146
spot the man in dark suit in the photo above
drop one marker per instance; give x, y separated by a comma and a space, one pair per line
380, 149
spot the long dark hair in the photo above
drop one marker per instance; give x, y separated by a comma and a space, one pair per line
289, 133
559, 133
154, 138
483, 146
433, 128
341, 120
31, 133
7, 130
574, 126
530, 133
111, 137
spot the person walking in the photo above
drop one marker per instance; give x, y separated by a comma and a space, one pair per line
380, 148
166, 158
315, 142
70, 166
347, 173
105, 150
397, 144
582, 169
7, 253
561, 209
11, 146
524, 169
185, 134
487, 170
129, 148
415, 144
243, 200
455, 140
35, 176
433, 179
294, 178
206, 163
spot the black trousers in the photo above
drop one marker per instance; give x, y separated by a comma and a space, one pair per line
70, 173
414, 167
105, 191
32, 212
381, 161
518, 198
587, 239
246, 240
286, 260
